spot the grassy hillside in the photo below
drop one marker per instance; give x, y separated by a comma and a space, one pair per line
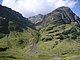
17, 45
60, 40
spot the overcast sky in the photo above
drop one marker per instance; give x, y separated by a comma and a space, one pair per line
33, 7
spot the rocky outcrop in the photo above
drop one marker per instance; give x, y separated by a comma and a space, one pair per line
61, 15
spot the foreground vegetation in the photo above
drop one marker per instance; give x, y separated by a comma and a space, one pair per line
42, 44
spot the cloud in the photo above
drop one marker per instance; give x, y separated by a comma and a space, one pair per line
34, 7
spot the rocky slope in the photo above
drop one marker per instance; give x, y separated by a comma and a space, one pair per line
61, 15
36, 19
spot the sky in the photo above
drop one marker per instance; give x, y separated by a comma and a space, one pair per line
1, 1
33, 7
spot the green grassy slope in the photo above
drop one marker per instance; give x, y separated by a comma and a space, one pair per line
60, 40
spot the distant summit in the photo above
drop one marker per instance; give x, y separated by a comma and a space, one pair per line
36, 19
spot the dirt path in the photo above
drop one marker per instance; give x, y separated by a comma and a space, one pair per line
32, 45
57, 58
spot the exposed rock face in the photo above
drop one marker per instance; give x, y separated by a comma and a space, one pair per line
36, 19
62, 15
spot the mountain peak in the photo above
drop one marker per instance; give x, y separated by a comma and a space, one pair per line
61, 15
64, 7
36, 19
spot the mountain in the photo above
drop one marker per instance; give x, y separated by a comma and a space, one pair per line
61, 15
60, 34
13, 20
36, 19
59, 24
42, 37
17, 34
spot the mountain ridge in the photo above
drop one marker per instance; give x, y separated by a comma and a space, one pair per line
63, 13
13, 17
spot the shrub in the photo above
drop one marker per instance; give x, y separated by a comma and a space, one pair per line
47, 38
3, 49
73, 36
11, 26
50, 27
66, 32
2, 35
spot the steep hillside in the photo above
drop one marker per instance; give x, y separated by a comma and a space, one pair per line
62, 15
61, 21
13, 18
60, 33
17, 35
